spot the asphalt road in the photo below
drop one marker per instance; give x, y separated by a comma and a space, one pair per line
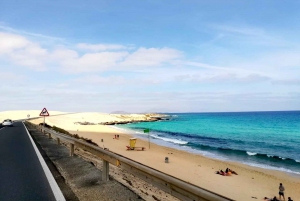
21, 174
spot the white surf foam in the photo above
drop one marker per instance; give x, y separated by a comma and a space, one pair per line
272, 168
170, 140
251, 153
120, 129
130, 131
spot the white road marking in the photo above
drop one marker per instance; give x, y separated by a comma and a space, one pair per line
55, 188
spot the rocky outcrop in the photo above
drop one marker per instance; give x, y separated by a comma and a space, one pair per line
151, 119
84, 123
126, 120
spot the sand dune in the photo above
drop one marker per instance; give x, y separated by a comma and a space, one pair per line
22, 114
71, 121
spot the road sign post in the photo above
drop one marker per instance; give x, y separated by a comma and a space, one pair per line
148, 131
44, 113
44, 126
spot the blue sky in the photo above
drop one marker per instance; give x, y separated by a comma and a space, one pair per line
150, 56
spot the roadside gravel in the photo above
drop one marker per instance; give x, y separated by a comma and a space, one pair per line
78, 178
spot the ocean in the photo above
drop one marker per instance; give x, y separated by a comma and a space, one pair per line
269, 140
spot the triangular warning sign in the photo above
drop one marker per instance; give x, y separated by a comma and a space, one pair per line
44, 112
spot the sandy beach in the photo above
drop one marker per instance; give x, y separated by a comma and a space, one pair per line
251, 183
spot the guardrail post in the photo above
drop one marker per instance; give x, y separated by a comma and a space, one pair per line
49, 135
105, 171
42, 130
71, 149
58, 141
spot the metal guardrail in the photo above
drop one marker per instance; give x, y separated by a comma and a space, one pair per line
174, 186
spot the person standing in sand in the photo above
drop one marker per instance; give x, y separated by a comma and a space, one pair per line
281, 191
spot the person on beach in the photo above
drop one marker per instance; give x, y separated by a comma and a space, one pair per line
233, 172
275, 199
267, 199
227, 172
271, 199
290, 199
221, 173
281, 191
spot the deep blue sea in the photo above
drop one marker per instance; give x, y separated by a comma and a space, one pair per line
269, 140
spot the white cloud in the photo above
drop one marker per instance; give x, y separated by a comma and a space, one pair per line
203, 65
100, 47
152, 57
141, 101
96, 79
11, 77
282, 58
117, 80
287, 82
279, 65
222, 78
11, 42
220, 69
92, 62
21, 32
100, 61
64, 54
22, 52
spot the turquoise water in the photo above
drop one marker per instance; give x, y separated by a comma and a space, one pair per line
264, 139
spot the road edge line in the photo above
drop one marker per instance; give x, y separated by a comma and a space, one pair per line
54, 186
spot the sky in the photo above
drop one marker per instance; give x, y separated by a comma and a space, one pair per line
150, 55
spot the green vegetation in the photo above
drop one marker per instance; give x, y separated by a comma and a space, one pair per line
60, 130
